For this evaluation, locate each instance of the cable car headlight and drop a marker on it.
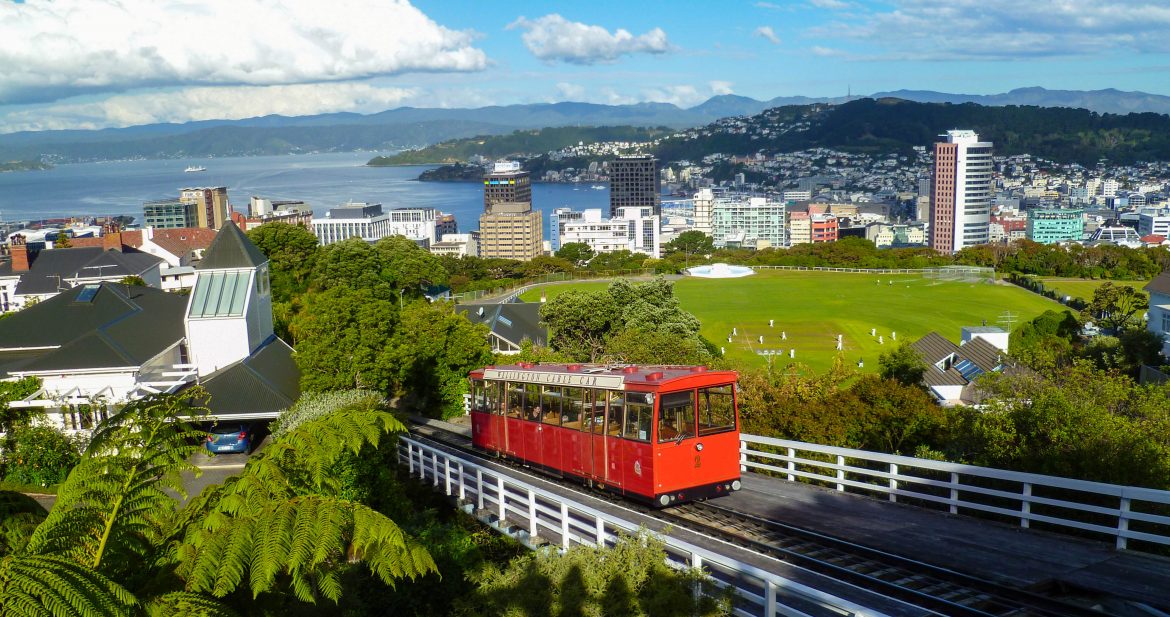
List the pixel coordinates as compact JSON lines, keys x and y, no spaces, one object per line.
{"x":699,"y":447}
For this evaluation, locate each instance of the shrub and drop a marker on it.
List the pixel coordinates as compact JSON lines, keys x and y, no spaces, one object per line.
{"x":40,"y":456}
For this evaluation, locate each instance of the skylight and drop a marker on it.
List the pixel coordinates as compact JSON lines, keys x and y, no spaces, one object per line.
{"x":220,"y":294}
{"x":87,"y":294}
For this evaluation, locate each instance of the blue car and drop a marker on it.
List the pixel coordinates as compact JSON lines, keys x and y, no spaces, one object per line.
{"x":229,"y":438}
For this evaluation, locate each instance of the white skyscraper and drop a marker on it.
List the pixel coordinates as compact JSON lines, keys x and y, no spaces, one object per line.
{"x":960,"y":196}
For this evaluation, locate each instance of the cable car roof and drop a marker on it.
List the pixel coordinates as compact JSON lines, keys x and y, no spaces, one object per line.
{"x":607,"y":376}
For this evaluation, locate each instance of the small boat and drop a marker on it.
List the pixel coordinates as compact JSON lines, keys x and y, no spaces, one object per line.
{"x":598,"y":187}
{"x":195,"y":168}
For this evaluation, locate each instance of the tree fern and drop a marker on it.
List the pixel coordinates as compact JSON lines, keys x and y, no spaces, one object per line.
{"x":116,"y":500}
{"x":38,"y":585}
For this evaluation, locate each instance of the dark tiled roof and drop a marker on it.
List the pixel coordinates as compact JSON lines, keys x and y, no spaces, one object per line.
{"x":120,"y":326}
{"x":265,"y":382}
{"x":231,"y":249}
{"x":512,"y":322}
{"x":933,"y":348}
{"x":1160,"y":284}
{"x":985,"y":355}
{"x":51,"y":267}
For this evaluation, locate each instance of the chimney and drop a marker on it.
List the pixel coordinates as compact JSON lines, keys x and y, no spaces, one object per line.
{"x":111,"y":237}
{"x":21,"y":260}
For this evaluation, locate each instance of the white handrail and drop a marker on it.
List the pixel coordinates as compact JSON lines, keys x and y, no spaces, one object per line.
{"x":1108,"y":509}
{"x":507,"y":503}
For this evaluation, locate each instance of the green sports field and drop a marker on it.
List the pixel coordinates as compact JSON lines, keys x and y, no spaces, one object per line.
{"x":1084,"y":288}
{"x":809,"y":310}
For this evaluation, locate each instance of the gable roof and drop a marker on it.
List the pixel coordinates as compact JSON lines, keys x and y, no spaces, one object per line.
{"x":131,"y":238}
{"x":231,"y":249}
{"x":267,"y":381}
{"x":1160,"y":284}
{"x":179,"y":241}
{"x":975,"y":357}
{"x":53,"y":266}
{"x":512,"y":322}
{"x":119,"y":326}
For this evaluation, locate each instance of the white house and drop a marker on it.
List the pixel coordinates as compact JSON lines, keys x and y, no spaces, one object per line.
{"x":101,"y":344}
{"x":1158,"y":320}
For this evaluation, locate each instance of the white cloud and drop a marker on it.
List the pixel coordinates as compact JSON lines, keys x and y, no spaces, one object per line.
{"x":206,"y":103}
{"x":818,"y":50}
{"x":720,"y":87}
{"x":829,"y":4}
{"x":553,"y":37}
{"x":1007,"y":29}
{"x":570,"y":92}
{"x":52,"y":50}
{"x":765,"y":32}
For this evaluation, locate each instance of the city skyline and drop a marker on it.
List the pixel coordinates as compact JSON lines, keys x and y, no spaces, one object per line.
{"x":101,"y":64}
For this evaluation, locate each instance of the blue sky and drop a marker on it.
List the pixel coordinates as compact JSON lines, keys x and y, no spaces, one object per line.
{"x":100,"y":63}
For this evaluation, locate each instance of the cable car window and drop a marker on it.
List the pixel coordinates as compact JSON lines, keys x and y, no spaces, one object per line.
{"x":478,"y":402}
{"x":492,"y":396}
{"x":676,"y":416}
{"x":716,"y":410}
{"x":532,"y":409}
{"x":593,"y":417}
{"x":639,"y":415}
{"x":614,"y":418}
{"x":572,"y":408}
{"x":515,"y":399}
{"x":550,"y":401}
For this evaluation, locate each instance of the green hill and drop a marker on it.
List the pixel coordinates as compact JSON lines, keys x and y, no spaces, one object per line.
{"x":527,"y":143}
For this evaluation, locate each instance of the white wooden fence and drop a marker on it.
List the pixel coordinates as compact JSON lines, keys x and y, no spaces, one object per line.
{"x":1123,"y":513}
{"x":527,"y":512}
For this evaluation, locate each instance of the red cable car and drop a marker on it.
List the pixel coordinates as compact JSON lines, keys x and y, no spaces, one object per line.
{"x":659,"y":434}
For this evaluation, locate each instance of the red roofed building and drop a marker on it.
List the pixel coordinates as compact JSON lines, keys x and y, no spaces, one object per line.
{"x":1154,"y":240}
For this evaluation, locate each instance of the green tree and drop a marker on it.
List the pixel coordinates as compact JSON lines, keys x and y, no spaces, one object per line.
{"x":62,"y":241}
{"x":133,"y":280}
{"x":902,"y":364}
{"x":38,"y":456}
{"x":292,"y":252}
{"x":690,"y":243}
{"x":13,"y":417}
{"x":343,"y":340}
{"x":1115,"y":306}
{"x":576,"y":252}
{"x":630,"y":578}
{"x":433,"y":349}
{"x":408,"y":267}
{"x":117,"y":542}
{"x":353,"y":264}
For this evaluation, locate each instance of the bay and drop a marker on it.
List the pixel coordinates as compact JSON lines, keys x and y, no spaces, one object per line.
{"x":322,"y":180}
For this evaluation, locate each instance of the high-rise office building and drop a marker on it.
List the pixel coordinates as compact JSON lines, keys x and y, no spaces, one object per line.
{"x":634,"y":182}
{"x":506,"y":183}
{"x":960,"y":192}
{"x":511,"y":231}
{"x":212,"y":209}
{"x":169,"y":214}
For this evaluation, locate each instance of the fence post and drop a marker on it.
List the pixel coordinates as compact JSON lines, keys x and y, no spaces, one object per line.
{"x":564,"y":525}
{"x":500,"y":496}
{"x":840,"y":472}
{"x":954,"y":492}
{"x":531,"y":514}
{"x":1123,"y":524}
{"x":742,"y":456}
{"x":478,"y":490}
{"x":769,"y":598}
{"x":462,"y":483}
{"x":791,"y":464}
{"x":1026,"y":506}
{"x":600,"y":532}
{"x":434,"y":467}
{"x":894,"y":482}
{"x":410,"y":456}
{"x":447,"y":476}
{"x":697,"y":563}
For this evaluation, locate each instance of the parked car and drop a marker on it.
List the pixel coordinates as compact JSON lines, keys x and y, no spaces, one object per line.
{"x":230,"y":437}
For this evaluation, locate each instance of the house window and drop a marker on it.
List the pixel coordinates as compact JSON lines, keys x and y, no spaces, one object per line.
{"x":1165,"y":322}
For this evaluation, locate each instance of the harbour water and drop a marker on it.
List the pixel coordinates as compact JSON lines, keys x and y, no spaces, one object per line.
{"x":322,"y":180}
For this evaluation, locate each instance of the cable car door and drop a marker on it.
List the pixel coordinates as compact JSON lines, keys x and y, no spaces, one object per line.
{"x":678,"y":457}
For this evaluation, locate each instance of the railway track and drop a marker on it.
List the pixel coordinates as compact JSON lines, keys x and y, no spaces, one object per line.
{"x":932,"y":588}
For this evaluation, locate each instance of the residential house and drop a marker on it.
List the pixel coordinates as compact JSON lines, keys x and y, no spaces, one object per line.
{"x":1158,"y":320}
{"x":951,"y":369}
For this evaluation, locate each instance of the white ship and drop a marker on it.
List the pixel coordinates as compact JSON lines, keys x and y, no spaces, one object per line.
{"x":195,"y":168}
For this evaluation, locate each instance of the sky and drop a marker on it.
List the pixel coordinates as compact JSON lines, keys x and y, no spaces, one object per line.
{"x":87,"y":64}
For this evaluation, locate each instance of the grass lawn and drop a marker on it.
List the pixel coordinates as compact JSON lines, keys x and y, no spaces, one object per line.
{"x":1084,"y":288}
{"x":811,"y":308}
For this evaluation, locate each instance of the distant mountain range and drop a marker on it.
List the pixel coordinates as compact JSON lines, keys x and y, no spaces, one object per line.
{"x":410,"y":127}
